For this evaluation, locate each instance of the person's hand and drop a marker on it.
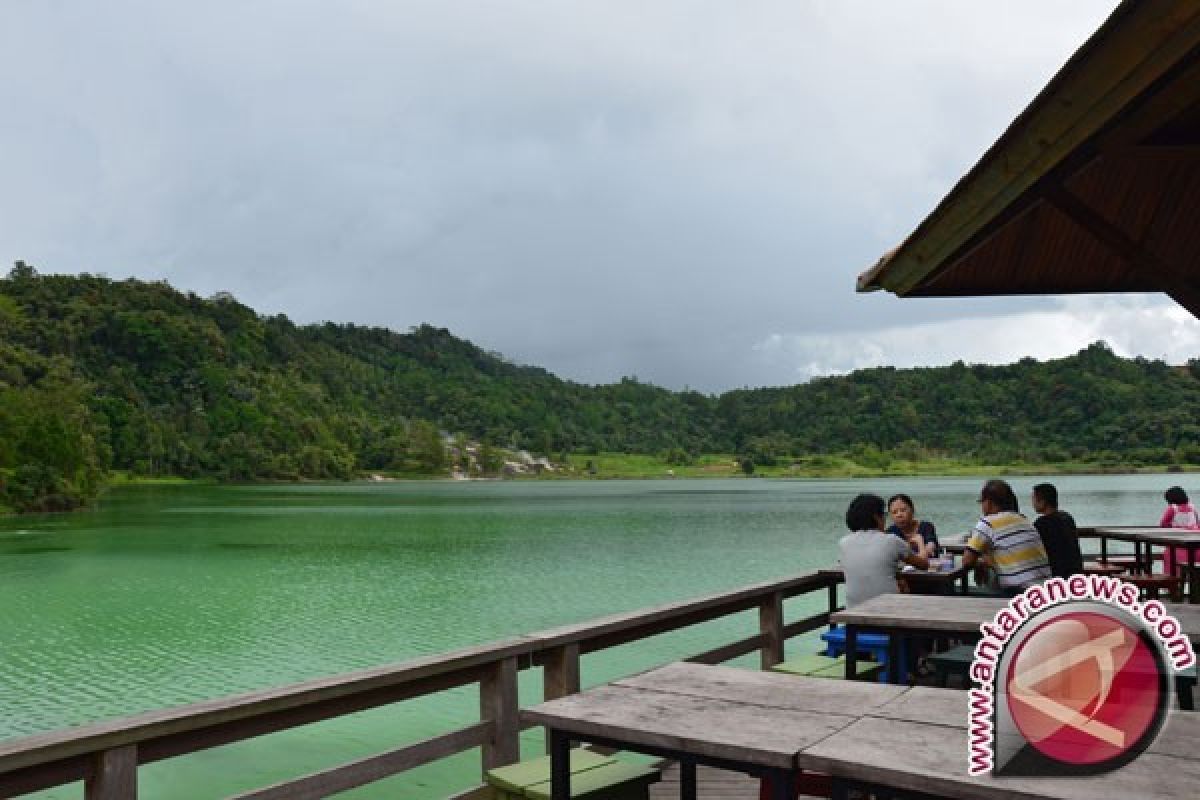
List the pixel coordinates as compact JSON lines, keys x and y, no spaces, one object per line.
{"x":916,"y":544}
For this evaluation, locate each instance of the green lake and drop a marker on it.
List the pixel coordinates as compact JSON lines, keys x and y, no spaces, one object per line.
{"x":162,"y":596}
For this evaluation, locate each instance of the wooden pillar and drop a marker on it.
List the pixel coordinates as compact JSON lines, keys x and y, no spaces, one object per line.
{"x":770,"y":625}
{"x":562,"y":672}
{"x":498,"y":705}
{"x":114,"y":775}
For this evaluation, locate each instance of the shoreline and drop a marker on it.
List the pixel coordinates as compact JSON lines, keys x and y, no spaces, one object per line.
{"x":650,"y":468}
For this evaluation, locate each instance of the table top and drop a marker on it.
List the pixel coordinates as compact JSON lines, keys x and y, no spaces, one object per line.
{"x":908,"y":738}
{"x":741,"y":716}
{"x":957,"y":614}
{"x":929,"y":757}
{"x":927,"y":612}
{"x":1151,"y":534}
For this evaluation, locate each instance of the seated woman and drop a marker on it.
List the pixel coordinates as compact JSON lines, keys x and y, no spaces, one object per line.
{"x":1180,"y":513}
{"x":920,"y":534}
{"x":869,"y":556}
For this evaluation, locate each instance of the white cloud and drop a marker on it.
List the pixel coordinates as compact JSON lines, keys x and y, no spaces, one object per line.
{"x":602,"y":187}
{"x":1131,"y":325}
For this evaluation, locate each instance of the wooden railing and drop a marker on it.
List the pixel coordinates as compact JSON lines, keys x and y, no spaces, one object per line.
{"x":106,"y":756}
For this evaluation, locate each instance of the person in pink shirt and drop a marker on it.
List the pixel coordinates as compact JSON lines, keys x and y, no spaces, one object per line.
{"x":1180,"y":513}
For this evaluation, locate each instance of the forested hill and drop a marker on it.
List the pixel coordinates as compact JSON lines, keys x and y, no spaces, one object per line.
{"x":99,"y":375}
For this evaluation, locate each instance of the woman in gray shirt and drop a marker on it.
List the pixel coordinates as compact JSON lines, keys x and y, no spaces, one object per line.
{"x":869,"y":556}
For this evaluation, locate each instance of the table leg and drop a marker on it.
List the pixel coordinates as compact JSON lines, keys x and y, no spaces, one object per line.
{"x":962,"y":583}
{"x":783,"y":784}
{"x":1138,"y":564}
{"x":851,"y":652}
{"x":1104,"y":548}
{"x":895,"y":669}
{"x":1193,"y":594}
{"x":560,"y":765}
{"x":1183,"y":692}
{"x":687,"y":780}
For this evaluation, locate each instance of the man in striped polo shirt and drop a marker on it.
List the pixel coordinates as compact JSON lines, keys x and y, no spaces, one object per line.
{"x":1011,"y":543}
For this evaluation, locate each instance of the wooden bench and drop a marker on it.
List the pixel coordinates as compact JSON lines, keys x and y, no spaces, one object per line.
{"x":1151,"y":585}
{"x":819,"y":666}
{"x":593,"y":776}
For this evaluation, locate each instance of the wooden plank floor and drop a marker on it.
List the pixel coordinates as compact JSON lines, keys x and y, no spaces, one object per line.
{"x":712,"y":784}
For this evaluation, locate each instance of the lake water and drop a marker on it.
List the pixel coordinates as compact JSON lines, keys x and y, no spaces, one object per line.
{"x":165,"y":596}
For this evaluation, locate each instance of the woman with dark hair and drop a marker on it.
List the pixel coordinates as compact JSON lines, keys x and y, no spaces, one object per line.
{"x":869,"y":556}
{"x":921,"y":535}
{"x":1180,"y":513}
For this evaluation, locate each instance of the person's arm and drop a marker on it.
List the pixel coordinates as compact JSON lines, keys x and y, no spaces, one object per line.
{"x":909,"y":557}
{"x":1167,"y":518}
{"x":978,"y":544}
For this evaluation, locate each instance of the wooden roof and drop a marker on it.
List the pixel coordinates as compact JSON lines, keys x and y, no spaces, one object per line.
{"x":1095,"y":187}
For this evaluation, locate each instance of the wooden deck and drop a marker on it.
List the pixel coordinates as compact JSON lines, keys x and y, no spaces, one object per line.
{"x":713,"y":784}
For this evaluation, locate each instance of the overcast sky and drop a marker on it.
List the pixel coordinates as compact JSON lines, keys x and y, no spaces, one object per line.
{"x":681,"y":191}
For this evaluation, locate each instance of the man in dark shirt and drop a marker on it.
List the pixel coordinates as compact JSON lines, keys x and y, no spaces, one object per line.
{"x":1057,"y":529}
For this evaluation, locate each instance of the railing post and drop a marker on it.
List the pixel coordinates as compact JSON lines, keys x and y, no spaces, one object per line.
{"x":833,"y":604}
{"x":498,"y":703}
{"x":114,"y":775}
{"x":770,"y":625}
{"x":561,"y":676}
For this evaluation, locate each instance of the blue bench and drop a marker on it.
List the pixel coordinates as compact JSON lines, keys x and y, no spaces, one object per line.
{"x":872,"y":644}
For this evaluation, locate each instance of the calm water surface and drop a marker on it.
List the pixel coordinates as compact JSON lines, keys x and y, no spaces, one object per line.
{"x":165,"y":596}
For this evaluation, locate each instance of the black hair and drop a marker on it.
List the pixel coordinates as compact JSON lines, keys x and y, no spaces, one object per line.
{"x":907,"y":501}
{"x":1047,"y":493}
{"x":1176,"y":496}
{"x":864,"y":512}
{"x":1001,"y":494}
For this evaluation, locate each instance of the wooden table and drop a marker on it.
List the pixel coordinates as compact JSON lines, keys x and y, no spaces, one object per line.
{"x":955,"y":547}
{"x":868,"y":736}
{"x":746,"y":721}
{"x":921,"y":581}
{"x":1144,"y":539}
{"x":918,"y":743}
{"x":906,"y":615}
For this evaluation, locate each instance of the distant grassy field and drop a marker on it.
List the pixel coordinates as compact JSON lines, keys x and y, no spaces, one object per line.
{"x":122,"y":478}
{"x":620,"y":465}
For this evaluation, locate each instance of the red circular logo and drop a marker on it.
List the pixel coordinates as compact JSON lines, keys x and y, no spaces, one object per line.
{"x":1085,"y":688}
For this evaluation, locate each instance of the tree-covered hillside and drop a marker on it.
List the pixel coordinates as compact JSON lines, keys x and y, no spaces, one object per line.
{"x":99,"y":375}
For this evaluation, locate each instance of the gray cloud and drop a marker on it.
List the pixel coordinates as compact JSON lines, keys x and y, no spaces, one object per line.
{"x":601,"y":188}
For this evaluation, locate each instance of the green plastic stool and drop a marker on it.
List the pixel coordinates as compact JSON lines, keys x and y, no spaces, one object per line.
{"x":819,"y":666}
{"x":955,"y":661}
{"x":618,"y":781}
{"x":593,"y":776}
